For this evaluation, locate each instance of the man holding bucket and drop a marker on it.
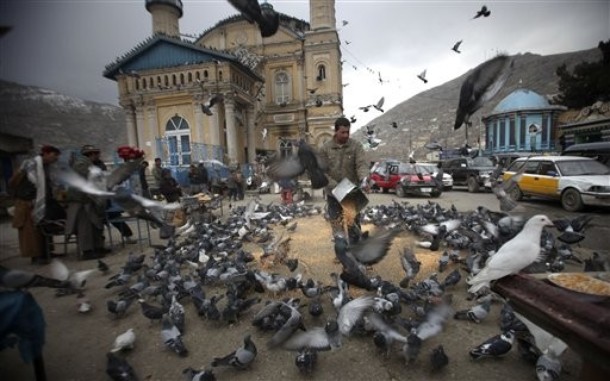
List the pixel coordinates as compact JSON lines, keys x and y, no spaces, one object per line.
{"x":345,"y":159}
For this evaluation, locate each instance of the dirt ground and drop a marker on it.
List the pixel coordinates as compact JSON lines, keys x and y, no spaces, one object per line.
{"x":76,"y":343}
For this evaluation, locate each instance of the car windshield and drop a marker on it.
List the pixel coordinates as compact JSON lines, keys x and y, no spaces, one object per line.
{"x":412,"y":169}
{"x":480,"y":162}
{"x":582,"y":167}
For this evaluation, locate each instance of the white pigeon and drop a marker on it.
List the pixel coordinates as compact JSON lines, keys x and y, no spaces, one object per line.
{"x":514,"y":255}
{"x":125,"y":340}
{"x":61,"y":272}
{"x":264,"y":133}
{"x":72,"y":179}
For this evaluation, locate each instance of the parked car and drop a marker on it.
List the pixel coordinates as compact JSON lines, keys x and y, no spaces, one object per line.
{"x":574,"y":181}
{"x":384,"y":175}
{"x":599,"y":151}
{"x":472,"y":172}
{"x":416,"y":180}
{"x":447,"y":178}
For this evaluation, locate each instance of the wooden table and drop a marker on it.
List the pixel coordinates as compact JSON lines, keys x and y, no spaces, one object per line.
{"x":582,"y":324}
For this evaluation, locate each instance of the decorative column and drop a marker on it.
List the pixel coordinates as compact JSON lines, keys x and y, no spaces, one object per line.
{"x":131,"y":125}
{"x":153,"y":126}
{"x":231,"y":130}
{"x":251,"y":135}
{"x":214,"y":126}
{"x":140,"y":125}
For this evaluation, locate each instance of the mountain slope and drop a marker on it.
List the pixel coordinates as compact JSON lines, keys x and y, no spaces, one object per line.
{"x":53,"y":118}
{"x":430,"y":115}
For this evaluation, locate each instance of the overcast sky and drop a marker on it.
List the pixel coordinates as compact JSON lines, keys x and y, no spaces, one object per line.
{"x":64,"y":45}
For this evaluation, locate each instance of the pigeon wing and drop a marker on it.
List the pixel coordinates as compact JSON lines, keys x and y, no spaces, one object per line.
{"x":122,"y":172}
{"x":373,"y":249}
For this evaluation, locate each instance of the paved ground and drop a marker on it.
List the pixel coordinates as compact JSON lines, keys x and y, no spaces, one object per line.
{"x":76,"y":343}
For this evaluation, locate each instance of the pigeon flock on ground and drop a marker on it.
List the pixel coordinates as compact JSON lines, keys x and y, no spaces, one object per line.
{"x":205,"y":265}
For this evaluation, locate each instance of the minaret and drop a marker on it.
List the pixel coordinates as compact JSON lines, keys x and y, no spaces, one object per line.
{"x":322,"y":67}
{"x":322,"y":14}
{"x":165,"y":15}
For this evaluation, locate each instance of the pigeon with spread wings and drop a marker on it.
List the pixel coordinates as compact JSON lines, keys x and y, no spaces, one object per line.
{"x":306,"y":160}
{"x":482,"y":84}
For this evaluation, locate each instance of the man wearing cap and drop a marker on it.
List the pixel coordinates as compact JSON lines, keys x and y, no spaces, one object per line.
{"x":85,"y":213}
{"x":34,"y":202}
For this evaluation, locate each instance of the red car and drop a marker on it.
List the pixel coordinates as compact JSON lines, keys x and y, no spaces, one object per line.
{"x":404,"y":178}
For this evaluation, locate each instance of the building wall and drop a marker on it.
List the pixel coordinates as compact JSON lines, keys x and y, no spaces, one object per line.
{"x":512,"y":131}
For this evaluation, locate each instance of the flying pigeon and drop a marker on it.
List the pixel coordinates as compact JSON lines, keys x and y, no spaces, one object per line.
{"x":306,"y":160}
{"x":514,"y":255}
{"x":207,"y":107}
{"x":456,"y":47}
{"x":422,"y":76}
{"x":378,"y":106}
{"x":480,"y":86}
{"x":13,"y":278}
{"x":267,"y":19}
{"x":483,"y":12}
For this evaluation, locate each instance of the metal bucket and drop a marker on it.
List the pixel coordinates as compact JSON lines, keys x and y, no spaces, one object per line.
{"x":347,"y":191}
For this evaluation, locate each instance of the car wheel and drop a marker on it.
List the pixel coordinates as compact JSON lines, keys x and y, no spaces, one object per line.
{"x":473,"y":185}
{"x":435,"y":193}
{"x":385,"y":190}
{"x":516,"y":194}
{"x":571,"y":200}
{"x":447,"y":189}
{"x":400,"y":192}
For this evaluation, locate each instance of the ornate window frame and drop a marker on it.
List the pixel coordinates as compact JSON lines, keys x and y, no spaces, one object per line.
{"x":283,"y":87}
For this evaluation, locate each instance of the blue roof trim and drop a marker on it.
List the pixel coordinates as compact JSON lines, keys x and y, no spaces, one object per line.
{"x":161,"y":51}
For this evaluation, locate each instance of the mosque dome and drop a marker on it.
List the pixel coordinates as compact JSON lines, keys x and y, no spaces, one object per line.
{"x":521,"y":99}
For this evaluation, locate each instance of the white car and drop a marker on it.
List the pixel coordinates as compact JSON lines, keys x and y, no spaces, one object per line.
{"x":574,"y":181}
{"x":447,"y":178}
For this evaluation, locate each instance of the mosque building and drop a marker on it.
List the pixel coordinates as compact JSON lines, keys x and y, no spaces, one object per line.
{"x":230,"y":94}
{"x":523,"y":121}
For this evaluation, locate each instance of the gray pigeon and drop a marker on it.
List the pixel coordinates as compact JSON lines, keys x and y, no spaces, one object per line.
{"x":480,"y":86}
{"x":241,"y":358}
{"x":265,"y":17}
{"x":13,"y":278}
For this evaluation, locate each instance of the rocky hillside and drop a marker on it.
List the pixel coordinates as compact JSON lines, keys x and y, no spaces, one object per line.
{"x":430,"y":115}
{"x":49,"y":117}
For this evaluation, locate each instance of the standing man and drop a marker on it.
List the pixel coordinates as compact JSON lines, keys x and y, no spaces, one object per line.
{"x":34,"y":202}
{"x":85,"y":213}
{"x":345,"y":158}
{"x":156,"y":172}
{"x":143,"y":181}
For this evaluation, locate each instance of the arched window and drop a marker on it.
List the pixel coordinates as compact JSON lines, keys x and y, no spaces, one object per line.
{"x":144,"y":83}
{"x":174,"y":83}
{"x":159,"y":80}
{"x":321,"y":73}
{"x":166,"y":81}
{"x":205,"y":74}
{"x":220,"y":76}
{"x":181,"y":78}
{"x":190,"y":77}
{"x":285,"y":147}
{"x":137,"y":84}
{"x":282,"y":88}
{"x":178,"y":135}
{"x":151,"y":82}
